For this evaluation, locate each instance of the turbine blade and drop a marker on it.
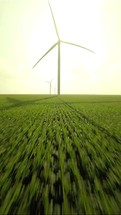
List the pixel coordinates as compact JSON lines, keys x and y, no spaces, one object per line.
{"x":45,"y":54}
{"x":56,"y":29}
{"x":73,"y":44}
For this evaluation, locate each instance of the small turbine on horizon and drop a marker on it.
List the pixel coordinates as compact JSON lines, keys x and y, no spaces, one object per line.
{"x":50,"y":85}
{"x":58,"y":43}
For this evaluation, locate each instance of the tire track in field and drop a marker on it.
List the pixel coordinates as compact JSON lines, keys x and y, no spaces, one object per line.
{"x":83,"y":117}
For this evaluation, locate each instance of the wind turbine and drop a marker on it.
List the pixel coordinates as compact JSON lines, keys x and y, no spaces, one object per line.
{"x":49,"y":82}
{"x":58,"y":43}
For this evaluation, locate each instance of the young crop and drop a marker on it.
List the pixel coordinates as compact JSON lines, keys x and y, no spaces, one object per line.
{"x":58,"y":156}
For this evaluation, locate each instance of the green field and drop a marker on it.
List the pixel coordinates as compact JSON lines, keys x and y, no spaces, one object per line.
{"x":60,"y":154}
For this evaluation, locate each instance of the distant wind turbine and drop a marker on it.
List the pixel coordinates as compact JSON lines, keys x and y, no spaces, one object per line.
{"x":50,"y":85}
{"x":58,"y":43}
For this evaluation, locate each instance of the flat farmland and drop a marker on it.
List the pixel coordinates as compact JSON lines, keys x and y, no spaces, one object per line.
{"x":60,"y":154}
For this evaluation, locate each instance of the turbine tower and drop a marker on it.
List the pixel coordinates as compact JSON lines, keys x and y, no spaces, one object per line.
{"x":58,"y":43}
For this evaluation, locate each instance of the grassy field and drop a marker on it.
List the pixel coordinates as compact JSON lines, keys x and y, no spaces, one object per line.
{"x":60,"y":154}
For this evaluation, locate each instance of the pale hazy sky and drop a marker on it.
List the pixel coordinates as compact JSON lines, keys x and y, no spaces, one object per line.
{"x":27,"y":32}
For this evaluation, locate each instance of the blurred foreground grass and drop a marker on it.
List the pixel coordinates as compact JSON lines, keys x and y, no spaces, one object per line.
{"x":60,"y":154}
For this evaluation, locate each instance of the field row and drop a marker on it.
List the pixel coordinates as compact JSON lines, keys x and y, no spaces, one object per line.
{"x":56,"y":161}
